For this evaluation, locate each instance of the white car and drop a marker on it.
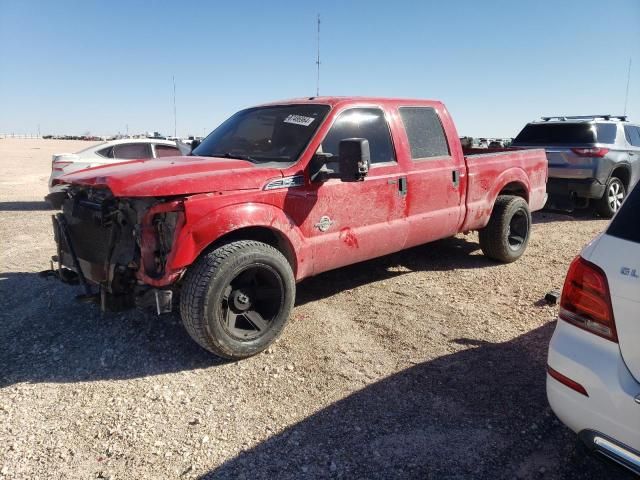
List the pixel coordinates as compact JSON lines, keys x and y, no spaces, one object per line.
{"x":593,"y":381}
{"x":108,"y":153}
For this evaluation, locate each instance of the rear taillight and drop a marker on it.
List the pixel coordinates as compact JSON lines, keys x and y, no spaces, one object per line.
{"x":586,"y":302}
{"x":590,"y":152}
{"x":59,"y":166}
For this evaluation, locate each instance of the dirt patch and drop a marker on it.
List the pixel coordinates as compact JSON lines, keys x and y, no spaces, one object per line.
{"x":424,"y":364}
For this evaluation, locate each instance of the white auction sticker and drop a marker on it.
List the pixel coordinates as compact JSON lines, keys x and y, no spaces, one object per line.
{"x":299,"y":120}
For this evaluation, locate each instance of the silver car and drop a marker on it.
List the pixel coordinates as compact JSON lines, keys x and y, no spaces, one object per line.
{"x":593,"y":160}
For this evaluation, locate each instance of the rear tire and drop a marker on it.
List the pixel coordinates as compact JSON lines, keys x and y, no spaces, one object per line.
{"x":237,"y":299}
{"x":506,"y":236}
{"x":614,"y":195}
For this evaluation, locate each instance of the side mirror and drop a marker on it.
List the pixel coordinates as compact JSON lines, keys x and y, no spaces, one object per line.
{"x":323,"y":166}
{"x":354,"y":159}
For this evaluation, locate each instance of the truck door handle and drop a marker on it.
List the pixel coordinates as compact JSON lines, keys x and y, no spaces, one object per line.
{"x":455,"y":178}
{"x":402,"y":185}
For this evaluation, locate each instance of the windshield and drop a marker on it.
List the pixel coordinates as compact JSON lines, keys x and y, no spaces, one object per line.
{"x":556,"y":134}
{"x":265,"y":134}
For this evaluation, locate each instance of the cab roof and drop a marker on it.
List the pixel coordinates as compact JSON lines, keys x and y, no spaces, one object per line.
{"x":334,"y":101}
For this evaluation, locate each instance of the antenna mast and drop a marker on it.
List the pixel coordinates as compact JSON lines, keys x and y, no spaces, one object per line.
{"x":174,"y":108}
{"x":318,"y":61}
{"x":626,"y":95}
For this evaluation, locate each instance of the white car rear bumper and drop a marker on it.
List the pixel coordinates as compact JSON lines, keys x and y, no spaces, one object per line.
{"x":609,"y":417}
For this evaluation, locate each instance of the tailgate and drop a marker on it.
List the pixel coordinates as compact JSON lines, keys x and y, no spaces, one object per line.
{"x":564,"y":163}
{"x":618,"y":254}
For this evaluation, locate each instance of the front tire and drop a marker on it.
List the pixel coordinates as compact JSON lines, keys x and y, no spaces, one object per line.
{"x":237,"y":298}
{"x":506,"y":236}
{"x":612,"y":199}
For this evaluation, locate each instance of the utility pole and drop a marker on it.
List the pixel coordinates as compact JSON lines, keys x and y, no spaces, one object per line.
{"x":318,"y":61}
{"x":175,"y":129}
{"x":626,"y":95}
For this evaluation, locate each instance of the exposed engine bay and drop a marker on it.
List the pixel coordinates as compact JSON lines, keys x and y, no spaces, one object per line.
{"x":113,"y":246}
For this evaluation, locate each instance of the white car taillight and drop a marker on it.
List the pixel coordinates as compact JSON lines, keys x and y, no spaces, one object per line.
{"x":58,"y":166}
{"x":586,"y":302}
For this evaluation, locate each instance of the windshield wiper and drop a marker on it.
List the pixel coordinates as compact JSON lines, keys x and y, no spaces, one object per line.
{"x":237,"y":156}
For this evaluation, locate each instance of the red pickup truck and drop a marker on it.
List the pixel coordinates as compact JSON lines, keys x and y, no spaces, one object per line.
{"x":280,"y":192}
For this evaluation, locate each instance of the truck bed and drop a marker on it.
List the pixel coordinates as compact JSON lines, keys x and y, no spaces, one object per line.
{"x":486,"y":171}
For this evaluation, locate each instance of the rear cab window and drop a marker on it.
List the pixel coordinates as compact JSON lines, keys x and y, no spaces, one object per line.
{"x":626,"y":224}
{"x":425,"y":133}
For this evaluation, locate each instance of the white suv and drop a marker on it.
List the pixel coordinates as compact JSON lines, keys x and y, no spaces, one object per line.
{"x":593,"y":381}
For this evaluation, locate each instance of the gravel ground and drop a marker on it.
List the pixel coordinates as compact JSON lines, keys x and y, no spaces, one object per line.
{"x":424,"y":364}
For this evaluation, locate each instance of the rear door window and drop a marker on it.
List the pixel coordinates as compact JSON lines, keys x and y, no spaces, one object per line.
{"x":626,"y":224}
{"x":633,"y":135}
{"x":425,"y":132}
{"x":166,"y":151}
{"x":606,"y":132}
{"x":130,"y":151}
{"x":556,"y":134}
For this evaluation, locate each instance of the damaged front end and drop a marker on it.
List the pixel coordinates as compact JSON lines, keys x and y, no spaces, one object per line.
{"x":118,"y":249}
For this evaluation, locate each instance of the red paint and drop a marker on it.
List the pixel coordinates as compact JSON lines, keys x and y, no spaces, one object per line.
{"x":368,"y":218}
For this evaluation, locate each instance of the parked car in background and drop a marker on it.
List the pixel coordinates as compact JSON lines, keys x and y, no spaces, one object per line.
{"x":593,"y":381}
{"x":281,"y":192}
{"x":111,"y":152}
{"x":592,"y":158}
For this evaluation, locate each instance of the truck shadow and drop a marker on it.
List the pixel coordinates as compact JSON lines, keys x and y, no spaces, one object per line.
{"x":46,"y":336}
{"x":448,"y":254}
{"x":478,"y":413}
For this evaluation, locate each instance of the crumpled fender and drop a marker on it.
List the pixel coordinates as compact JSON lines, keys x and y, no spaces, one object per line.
{"x":204,"y":226}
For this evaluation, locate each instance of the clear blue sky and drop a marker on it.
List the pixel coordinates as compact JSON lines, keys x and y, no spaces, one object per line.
{"x":96,"y":66}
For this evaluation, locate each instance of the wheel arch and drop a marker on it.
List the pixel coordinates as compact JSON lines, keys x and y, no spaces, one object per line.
{"x":481,"y":202}
{"x":516,"y":188}
{"x":251,"y":221}
{"x":259,"y":233}
{"x":623,"y":172}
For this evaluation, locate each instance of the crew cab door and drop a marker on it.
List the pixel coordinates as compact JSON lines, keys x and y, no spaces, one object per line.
{"x":436,"y":177}
{"x":353,"y":221}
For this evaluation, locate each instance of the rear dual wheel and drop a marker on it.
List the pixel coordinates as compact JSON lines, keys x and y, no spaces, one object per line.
{"x":238,"y":298}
